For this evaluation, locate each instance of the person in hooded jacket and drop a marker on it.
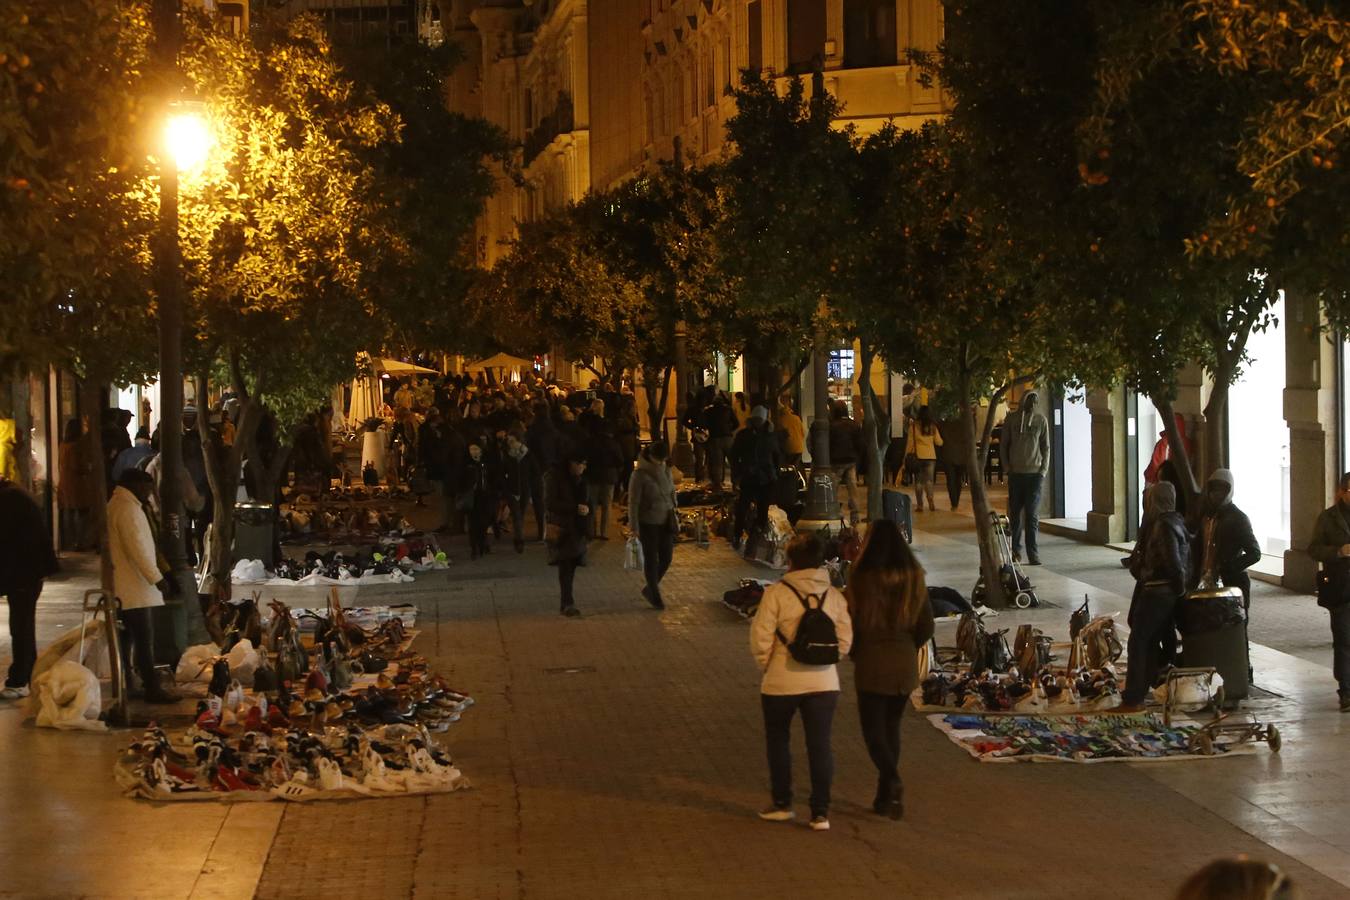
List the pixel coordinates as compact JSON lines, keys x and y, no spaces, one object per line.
{"x":1160,"y":566}
{"x":1025,"y":453}
{"x":651,"y":513}
{"x":1330,"y":545}
{"x":1226,"y":546}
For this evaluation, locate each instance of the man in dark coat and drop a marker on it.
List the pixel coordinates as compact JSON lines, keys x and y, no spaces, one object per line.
{"x":755,"y":459}
{"x":26,"y":558}
{"x":568,"y":512}
{"x":1330,"y":545}
{"x":1160,"y":565}
{"x":1225,"y":545}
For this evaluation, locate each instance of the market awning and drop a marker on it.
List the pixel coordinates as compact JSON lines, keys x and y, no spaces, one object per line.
{"x":501,"y":361}
{"x":397,"y":367}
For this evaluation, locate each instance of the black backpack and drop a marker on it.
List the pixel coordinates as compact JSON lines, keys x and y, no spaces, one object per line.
{"x":816,"y":643}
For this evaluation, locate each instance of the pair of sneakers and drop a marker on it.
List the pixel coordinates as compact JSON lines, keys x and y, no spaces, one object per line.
{"x":785,"y":814}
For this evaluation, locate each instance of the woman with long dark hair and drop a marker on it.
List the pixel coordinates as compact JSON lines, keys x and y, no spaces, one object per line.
{"x":888,"y":601}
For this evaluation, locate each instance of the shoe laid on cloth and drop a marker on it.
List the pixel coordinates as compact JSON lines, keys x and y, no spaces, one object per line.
{"x":18,"y":693}
{"x":571,"y":612}
{"x":777,"y":814}
{"x":820,"y":823}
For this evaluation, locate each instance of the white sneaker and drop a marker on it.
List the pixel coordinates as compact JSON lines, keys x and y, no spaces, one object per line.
{"x":14,"y":693}
{"x":777,"y":814}
{"x":820,"y":823}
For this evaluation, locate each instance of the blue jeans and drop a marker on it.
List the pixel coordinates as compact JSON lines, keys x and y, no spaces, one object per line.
{"x":1024,"y":502}
{"x":1340,"y":647}
{"x":817,"y":718}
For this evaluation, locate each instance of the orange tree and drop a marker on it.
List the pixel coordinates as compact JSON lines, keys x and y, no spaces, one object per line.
{"x":941,"y":287}
{"x":1115,"y":145}
{"x":77,"y":212}
{"x":1292,"y":149}
{"x":283,"y":232}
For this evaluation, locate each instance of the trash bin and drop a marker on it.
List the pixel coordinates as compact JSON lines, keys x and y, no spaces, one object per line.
{"x":253,"y":532}
{"x":1213,"y":630}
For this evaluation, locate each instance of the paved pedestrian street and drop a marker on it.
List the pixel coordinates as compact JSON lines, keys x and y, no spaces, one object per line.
{"x":621,"y":755}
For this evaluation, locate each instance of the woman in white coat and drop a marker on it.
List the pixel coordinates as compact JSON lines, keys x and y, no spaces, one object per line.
{"x":137,"y":580}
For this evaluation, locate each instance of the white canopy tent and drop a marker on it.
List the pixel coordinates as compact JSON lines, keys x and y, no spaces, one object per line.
{"x":367,"y":394}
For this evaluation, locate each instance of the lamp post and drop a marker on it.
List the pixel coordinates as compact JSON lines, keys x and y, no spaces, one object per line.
{"x":183,"y":144}
{"x":682,"y":455}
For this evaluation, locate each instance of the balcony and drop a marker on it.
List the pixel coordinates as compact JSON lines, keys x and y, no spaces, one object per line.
{"x":559,"y":121}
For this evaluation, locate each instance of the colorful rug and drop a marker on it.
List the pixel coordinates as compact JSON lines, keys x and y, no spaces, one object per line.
{"x":1081,"y":739}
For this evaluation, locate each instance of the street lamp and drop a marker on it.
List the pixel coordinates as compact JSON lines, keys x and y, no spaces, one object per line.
{"x":184,"y":143}
{"x":186,"y":138}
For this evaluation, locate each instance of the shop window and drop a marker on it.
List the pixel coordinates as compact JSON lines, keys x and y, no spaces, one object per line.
{"x":806,"y":35}
{"x":869,"y":33}
{"x":754,"y":34}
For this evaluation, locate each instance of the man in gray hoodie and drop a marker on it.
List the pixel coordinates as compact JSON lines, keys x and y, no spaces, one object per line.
{"x":1025,"y":450}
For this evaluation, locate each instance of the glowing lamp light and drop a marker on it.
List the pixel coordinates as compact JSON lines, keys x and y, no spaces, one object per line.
{"x":187,"y":139}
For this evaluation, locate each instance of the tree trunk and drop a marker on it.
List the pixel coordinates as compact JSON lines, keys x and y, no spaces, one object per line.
{"x":792,"y":379}
{"x":91,"y":402}
{"x":990,"y":556}
{"x":222,"y":474}
{"x":1177,"y":452}
{"x":665,"y":399}
{"x":876,"y":439}
{"x":979,"y":497}
{"x":1216,"y":434}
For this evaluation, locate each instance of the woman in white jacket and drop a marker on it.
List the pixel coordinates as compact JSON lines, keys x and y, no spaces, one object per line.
{"x":789,"y":685}
{"x":137,"y":580}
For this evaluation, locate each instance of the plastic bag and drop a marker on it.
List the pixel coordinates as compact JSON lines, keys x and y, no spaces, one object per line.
{"x":1194,"y":692}
{"x":244,"y":661}
{"x":632,"y":555}
{"x":195,"y":664}
{"x":248,"y":571}
{"x":69,"y":698}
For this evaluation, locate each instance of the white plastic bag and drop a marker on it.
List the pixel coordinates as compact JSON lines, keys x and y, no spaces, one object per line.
{"x":1194,"y":692}
{"x":248,"y":571}
{"x":69,"y":698}
{"x":244,"y":661}
{"x":632,"y":555}
{"x":195,"y":664}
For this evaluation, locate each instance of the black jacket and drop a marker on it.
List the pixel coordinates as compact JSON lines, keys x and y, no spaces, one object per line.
{"x":1236,"y":547}
{"x":567,"y":527}
{"x":1164,"y":553}
{"x":26,"y":555}
{"x":755,"y":456}
{"x":846,"y":444}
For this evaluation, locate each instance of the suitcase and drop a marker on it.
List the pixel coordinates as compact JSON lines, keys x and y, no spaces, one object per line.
{"x":897,"y":507}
